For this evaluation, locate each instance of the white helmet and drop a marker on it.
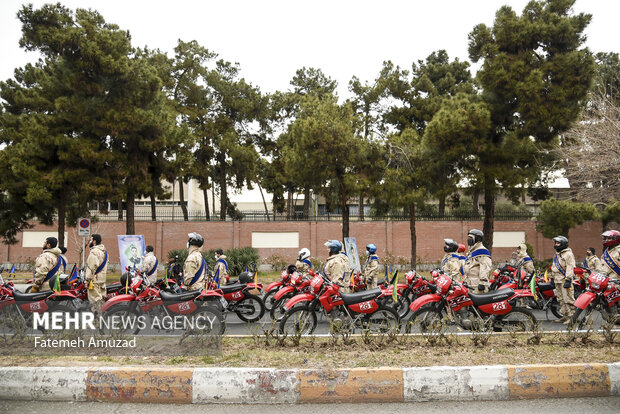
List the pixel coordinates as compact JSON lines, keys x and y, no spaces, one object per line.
{"x":303,"y":254}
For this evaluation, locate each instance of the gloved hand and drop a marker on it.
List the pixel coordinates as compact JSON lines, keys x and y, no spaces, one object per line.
{"x":567,"y":284}
{"x":34,"y":289}
{"x":481,"y":288}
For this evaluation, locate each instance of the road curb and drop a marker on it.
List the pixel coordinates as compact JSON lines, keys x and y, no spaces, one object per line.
{"x":295,"y":386}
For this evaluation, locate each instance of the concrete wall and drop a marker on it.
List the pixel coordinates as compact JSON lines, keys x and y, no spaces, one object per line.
{"x":390,"y":236}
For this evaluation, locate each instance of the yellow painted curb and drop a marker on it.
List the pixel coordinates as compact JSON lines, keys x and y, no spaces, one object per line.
{"x":553,"y":381}
{"x":140,"y":385}
{"x":351,"y":385}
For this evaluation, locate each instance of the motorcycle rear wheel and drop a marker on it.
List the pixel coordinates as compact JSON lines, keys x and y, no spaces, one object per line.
{"x":517,"y":320}
{"x":250,"y":309}
{"x":300,"y":320}
{"x":611,"y":314}
{"x":214,"y":317}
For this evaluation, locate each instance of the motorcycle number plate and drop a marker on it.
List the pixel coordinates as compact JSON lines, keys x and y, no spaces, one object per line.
{"x":35,"y":306}
{"x":499,"y":306}
{"x":223,"y":302}
{"x":237,"y":295}
{"x":184,"y":306}
{"x":365,"y":305}
{"x":554,"y":292}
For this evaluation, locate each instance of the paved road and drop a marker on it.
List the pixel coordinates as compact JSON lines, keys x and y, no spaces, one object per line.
{"x":565,"y":406}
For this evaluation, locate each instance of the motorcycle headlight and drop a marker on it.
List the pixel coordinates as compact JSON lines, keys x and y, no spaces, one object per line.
{"x":595,"y":286}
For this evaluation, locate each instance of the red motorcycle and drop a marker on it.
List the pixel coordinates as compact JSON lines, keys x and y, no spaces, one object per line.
{"x":344,"y":311}
{"x":18,"y":307}
{"x":414,"y":287}
{"x":296,"y":284}
{"x":470,"y":311}
{"x":145,"y":298}
{"x":600,"y":295}
{"x":274,"y":287}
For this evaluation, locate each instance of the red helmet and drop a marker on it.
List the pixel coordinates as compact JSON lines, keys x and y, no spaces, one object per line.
{"x":611,"y":238}
{"x":461,"y":248}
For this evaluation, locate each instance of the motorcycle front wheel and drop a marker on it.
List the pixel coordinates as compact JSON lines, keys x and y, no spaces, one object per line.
{"x":268,"y":299}
{"x":382,"y":321}
{"x":278,"y":311}
{"x":300,"y":320}
{"x":427,"y":319}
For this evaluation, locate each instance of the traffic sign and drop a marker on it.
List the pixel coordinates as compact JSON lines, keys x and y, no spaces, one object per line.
{"x":84,"y":227}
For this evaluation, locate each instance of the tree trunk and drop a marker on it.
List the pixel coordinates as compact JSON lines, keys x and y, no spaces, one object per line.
{"x":489,"y":212}
{"x":153,"y":207}
{"x":205,"y":195}
{"x":413,"y":235}
{"x":306,"y":203}
{"x":476,"y":197}
{"x":223,"y":188}
{"x":345,"y":209}
{"x":182,"y":200}
{"x":130,"y":224}
{"x":442,"y":206}
{"x":264,"y":202}
{"x":289,"y":205}
{"x":361,"y":208}
{"x":119,"y":206}
{"x":62,"y":217}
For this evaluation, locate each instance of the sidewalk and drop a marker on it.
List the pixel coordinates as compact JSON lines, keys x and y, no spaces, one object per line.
{"x":294,"y":386}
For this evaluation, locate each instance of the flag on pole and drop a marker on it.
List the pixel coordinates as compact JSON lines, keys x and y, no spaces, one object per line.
{"x":533,"y":287}
{"x":255,"y":277}
{"x":386,"y":275}
{"x":12,"y":272}
{"x":73,"y":276}
{"x":546,"y":277}
{"x":394,"y":290}
{"x":57,"y":284}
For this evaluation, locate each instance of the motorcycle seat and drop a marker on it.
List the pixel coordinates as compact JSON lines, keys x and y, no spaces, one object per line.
{"x":31,"y":297}
{"x":491,"y":297}
{"x":179,"y":297}
{"x":233,"y":288}
{"x":114,"y":287}
{"x":546,"y":286}
{"x":363,"y":296}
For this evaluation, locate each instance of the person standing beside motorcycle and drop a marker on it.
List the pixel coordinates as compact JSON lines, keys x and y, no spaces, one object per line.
{"x":592,"y":262}
{"x":610,"y":258}
{"x":336,"y":264}
{"x":303,"y":262}
{"x":478,"y":263}
{"x":371,"y":268}
{"x":46,"y":265}
{"x":563,"y":274}
{"x":524,"y":261}
{"x":149,"y":264}
{"x":221,"y":266}
{"x":195,"y":267}
{"x":96,"y":270}
{"x":451,"y":262}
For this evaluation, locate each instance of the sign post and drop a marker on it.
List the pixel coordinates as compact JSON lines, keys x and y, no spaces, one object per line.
{"x":84,"y":232}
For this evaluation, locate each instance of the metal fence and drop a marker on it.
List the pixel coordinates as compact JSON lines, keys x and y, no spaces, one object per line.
{"x":261,"y":216}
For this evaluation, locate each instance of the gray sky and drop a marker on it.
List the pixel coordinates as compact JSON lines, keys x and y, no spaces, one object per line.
{"x":272,"y":39}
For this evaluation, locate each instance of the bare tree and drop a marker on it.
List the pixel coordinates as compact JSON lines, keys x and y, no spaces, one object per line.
{"x":591,"y":152}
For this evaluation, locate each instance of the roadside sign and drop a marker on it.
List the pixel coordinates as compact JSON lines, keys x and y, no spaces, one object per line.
{"x":84,"y":227}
